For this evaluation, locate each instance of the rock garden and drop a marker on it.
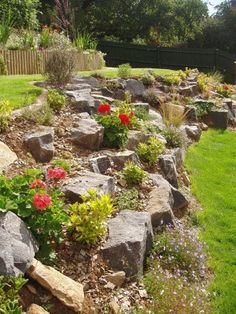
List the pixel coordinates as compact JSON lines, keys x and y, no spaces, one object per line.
{"x":96,"y":211}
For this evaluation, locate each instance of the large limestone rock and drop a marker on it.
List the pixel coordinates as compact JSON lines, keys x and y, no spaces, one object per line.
{"x":17,"y":245}
{"x":193,"y":132}
{"x":68,"y":291}
{"x":120,"y":158}
{"x":100,"y":164}
{"x":88,"y":134}
{"x":40,"y":144}
{"x":7,"y":157}
{"x":91,"y":81}
{"x":75,"y":187}
{"x":134,"y":87}
{"x":130,"y":239}
{"x":36,"y":309}
{"x":83,"y":102}
{"x":168,"y":169}
{"x":134,"y":138}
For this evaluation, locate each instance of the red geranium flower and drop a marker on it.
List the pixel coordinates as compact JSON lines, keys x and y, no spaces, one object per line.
{"x":104,"y":108}
{"x":41,"y":201}
{"x":38,"y":184}
{"x":226,"y":87}
{"x":56,"y":173}
{"x":124,"y":118}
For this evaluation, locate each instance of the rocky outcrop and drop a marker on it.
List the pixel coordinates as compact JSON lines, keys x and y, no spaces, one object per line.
{"x":75,"y":187}
{"x":17,"y":245}
{"x":68,"y":291}
{"x":134,"y":138}
{"x":168,"y":169}
{"x":100,"y":164}
{"x":40,"y":144}
{"x":129,"y":240}
{"x":119,"y":159}
{"x":193,"y":132}
{"x":36,"y":309}
{"x":7,"y":157}
{"x":134,"y":87}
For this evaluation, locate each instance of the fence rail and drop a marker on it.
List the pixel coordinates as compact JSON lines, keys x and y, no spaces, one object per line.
{"x":32,"y":62}
{"x":174,"y":58}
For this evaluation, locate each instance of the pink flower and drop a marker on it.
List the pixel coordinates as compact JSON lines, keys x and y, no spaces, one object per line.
{"x":56,"y":173}
{"x":38,"y":184}
{"x":41,"y":201}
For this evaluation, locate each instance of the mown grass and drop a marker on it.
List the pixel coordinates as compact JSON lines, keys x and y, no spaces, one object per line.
{"x":212,"y":165}
{"x":19,"y":90}
{"x":135,"y":72}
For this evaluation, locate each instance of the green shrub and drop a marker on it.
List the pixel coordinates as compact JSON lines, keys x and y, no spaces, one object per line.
{"x":149,"y":152}
{"x":174,"y":137}
{"x":85,"y":41}
{"x":124,"y":71}
{"x":5,"y":113}
{"x":62,"y":163}
{"x":141,"y":113}
{"x":9,"y":294}
{"x":115,"y":133}
{"x":148,"y":78}
{"x":44,"y":115}
{"x":203,"y":107}
{"x":87,"y":222}
{"x":3,"y":68}
{"x":45,"y":38}
{"x":132,"y":173}
{"x":152,"y":98}
{"x":173,"y":79}
{"x":56,"y":100}
{"x":60,"y":67}
{"x":127,"y":199}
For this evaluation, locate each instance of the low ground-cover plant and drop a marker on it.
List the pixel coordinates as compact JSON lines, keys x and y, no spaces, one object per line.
{"x":9,"y":294}
{"x":149,"y":152}
{"x":174,"y":137}
{"x":203,"y":107}
{"x":87,"y":221}
{"x":132,"y":173}
{"x":124,"y":70}
{"x":61,"y":163}
{"x":5,"y":113}
{"x":224,"y":90}
{"x":152,"y":98}
{"x":148,"y":79}
{"x":127,"y":199}
{"x":55,"y":99}
{"x":43,"y":115}
{"x":142,"y":114}
{"x":37,"y":202}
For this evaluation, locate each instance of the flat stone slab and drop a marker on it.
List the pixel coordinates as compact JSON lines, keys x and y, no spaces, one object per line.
{"x":75,"y":187}
{"x":120,"y":158}
{"x":130,"y":239}
{"x":68,"y":291}
{"x":7,"y":157}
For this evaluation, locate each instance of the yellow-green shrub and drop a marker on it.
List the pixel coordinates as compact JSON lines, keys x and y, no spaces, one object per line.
{"x":5,"y":113}
{"x":132,"y":173}
{"x":149,"y":152}
{"x":56,"y":100}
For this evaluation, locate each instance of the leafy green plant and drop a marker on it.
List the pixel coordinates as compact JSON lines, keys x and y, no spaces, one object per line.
{"x":115,"y":133}
{"x":14,"y":42}
{"x":9,"y":294}
{"x":224,"y":90}
{"x":6,"y":26}
{"x":5,"y":113}
{"x":149,"y":152}
{"x":173,"y":79}
{"x":174,"y":137}
{"x":203,"y":107}
{"x":44,"y":115}
{"x":124,"y":70}
{"x":3,"y":68}
{"x":147,"y":78}
{"x":18,"y":195}
{"x":85,"y":41}
{"x":56,"y":100}
{"x":45,"y":38}
{"x":127,"y":199}
{"x":87,"y":221}
{"x":132,"y":173}
{"x":142,"y":114}
{"x":152,"y":98}
{"x":62,"y":163}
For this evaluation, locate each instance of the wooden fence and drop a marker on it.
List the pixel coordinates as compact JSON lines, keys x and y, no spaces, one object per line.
{"x":170,"y":58}
{"x":32,"y":62}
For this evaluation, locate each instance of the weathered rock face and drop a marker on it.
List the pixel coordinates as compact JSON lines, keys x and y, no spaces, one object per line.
{"x":168,"y":169}
{"x":91,"y":81}
{"x":100,"y":164}
{"x":157,"y":119}
{"x":7,"y":157}
{"x":119,"y":159}
{"x":64,"y":288}
{"x":17,"y":245}
{"x":160,"y":202}
{"x":190,"y":90}
{"x":40,"y":144}
{"x":134,"y":87}
{"x":89,"y":134}
{"x":193,"y":132}
{"x":36,"y":309}
{"x":178,"y":156}
{"x":83,"y":102}
{"x":228,"y":105}
{"x":75,"y":187}
{"x":219,"y":119}
{"x":116,"y":279}
{"x":130,"y":239}
{"x":134,"y":138}
{"x":180,"y":201}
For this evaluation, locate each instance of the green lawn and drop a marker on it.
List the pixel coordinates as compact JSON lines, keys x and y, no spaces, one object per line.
{"x":136,"y":72}
{"x":212,"y":164}
{"x":19,"y":90}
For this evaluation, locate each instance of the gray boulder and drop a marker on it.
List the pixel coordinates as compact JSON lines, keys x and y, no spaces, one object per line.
{"x":129,"y":240}
{"x":75,"y":187}
{"x":7,"y":157}
{"x":134,"y":138}
{"x":178,"y":155}
{"x":100,"y":164}
{"x":88,"y":134}
{"x":91,"y":81}
{"x":180,"y":201}
{"x":168,"y":168}
{"x":120,"y":158}
{"x":40,"y":144}
{"x":17,"y":245}
{"x":82,"y":101}
{"x":134,"y":87}
{"x":219,"y":119}
{"x":193,"y":132}
{"x":189,"y":91}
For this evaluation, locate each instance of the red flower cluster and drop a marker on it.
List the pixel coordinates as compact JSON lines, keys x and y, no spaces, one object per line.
{"x":132,"y":114}
{"x":104,"y":108}
{"x":38,"y":184}
{"x":56,"y":173}
{"x":226,"y":87}
{"x":41,"y":201}
{"x":124,"y":118}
